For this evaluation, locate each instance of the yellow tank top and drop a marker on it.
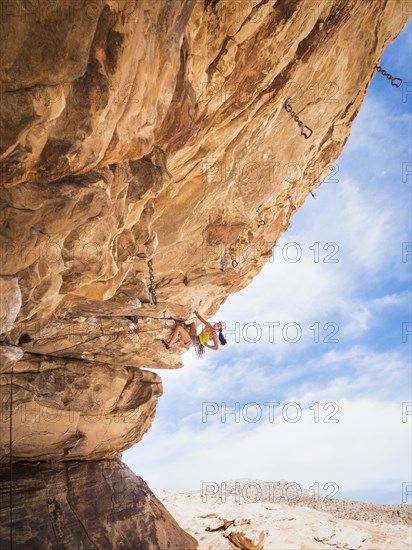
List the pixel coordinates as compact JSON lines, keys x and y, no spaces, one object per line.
{"x":203,"y":337}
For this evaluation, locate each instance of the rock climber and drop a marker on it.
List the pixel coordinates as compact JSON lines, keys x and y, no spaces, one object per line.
{"x":190,"y":338}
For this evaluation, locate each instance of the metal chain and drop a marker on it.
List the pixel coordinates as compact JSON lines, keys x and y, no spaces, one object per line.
{"x":152,"y":282}
{"x":305,"y":131}
{"x":261,"y":221}
{"x":395,"y":81}
{"x":234,"y":262}
{"x":223,"y":263}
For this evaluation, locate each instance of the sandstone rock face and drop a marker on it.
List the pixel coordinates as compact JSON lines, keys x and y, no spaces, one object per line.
{"x":68,"y":108}
{"x":65,"y":409}
{"x":151,"y":130}
{"x":88,"y":505}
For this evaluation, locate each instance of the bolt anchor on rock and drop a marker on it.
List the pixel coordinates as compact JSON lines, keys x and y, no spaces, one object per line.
{"x":395,"y":81}
{"x":234,"y":262}
{"x":305,"y":131}
{"x":261,"y":221}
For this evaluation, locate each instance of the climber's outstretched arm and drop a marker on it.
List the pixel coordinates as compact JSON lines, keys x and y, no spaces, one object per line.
{"x":201,"y":318}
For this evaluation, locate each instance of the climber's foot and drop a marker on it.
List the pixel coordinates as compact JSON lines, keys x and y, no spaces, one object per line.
{"x":166,"y":345}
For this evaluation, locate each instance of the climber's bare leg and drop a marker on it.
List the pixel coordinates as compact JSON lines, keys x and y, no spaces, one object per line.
{"x":192,"y":330}
{"x":181,"y":332}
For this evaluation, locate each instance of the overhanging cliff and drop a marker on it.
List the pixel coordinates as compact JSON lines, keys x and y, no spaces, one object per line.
{"x":146,"y":130}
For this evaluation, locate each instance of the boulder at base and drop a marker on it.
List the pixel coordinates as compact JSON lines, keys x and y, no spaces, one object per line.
{"x":87,"y":505}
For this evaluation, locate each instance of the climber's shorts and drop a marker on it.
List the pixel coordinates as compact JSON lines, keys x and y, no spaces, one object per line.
{"x":193,"y":342}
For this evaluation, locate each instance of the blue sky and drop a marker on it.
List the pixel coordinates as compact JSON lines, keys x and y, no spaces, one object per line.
{"x":346,"y":317}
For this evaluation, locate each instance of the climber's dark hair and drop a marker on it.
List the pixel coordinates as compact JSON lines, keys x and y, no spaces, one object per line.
{"x":222,"y":339}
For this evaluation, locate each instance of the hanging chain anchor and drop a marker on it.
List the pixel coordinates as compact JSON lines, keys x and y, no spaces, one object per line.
{"x":305,"y":131}
{"x":395,"y":81}
{"x":261,"y":221}
{"x":234,"y":262}
{"x":223,"y":263}
{"x":152,"y":282}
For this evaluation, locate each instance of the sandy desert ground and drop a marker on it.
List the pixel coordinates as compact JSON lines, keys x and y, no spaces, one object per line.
{"x":240,"y":515}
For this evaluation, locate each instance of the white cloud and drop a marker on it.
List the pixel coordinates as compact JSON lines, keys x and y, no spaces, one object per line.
{"x":367,"y":449}
{"x":351,"y":452}
{"x":394,"y":300}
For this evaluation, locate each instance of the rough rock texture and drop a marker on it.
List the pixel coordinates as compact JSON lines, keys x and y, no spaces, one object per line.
{"x":247,"y":538}
{"x":272,"y":524}
{"x":151,"y":129}
{"x":87,"y":505}
{"x":65,"y":409}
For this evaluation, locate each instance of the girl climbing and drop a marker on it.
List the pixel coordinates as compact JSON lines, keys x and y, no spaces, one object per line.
{"x":198,"y":340}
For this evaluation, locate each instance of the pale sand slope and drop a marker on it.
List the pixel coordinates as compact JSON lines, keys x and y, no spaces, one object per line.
{"x":227,"y":521}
